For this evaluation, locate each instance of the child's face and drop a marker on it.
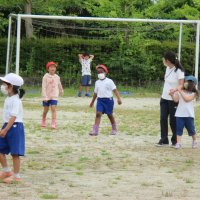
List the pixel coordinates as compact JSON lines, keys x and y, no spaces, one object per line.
{"x":52,"y":69}
{"x":86,"y":57}
{"x":100,"y":70}
{"x":6,"y":89}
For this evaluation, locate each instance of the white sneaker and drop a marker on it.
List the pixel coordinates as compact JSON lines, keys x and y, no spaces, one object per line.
{"x":194,"y":144}
{"x":178,"y":146}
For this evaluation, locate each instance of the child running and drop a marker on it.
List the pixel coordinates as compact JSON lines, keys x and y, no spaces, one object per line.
{"x":51,"y":90}
{"x":12,"y":139}
{"x":104,"y":88}
{"x":185,"y":110}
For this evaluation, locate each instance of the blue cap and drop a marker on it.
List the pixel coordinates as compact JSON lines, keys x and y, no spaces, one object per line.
{"x":191,"y":78}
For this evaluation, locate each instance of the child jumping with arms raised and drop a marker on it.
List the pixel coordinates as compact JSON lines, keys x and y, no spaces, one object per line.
{"x":51,"y":90}
{"x":185,"y":110}
{"x":104,"y":88}
{"x":12,"y":139}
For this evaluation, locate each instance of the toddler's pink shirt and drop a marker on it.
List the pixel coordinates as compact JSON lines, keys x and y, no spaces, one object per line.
{"x":51,"y":87}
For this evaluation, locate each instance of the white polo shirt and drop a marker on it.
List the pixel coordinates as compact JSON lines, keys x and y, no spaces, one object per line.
{"x":172,"y":77}
{"x":104,"y":88}
{"x":86,"y":66}
{"x":13,"y":107}
{"x":185,"y":109}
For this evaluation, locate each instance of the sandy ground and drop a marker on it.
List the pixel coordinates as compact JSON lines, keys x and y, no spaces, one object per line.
{"x":68,"y":164}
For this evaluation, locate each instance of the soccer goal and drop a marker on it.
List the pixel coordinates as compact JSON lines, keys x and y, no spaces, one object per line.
{"x":130,"y":47}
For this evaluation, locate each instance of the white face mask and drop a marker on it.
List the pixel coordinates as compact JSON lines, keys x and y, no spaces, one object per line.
{"x":186,"y":85}
{"x":4,"y":90}
{"x":101,"y":76}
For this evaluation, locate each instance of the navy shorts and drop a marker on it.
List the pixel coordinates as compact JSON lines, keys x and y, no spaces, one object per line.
{"x":50,"y":103}
{"x":188,"y":123}
{"x":86,"y":80}
{"x":14,"y":141}
{"x":105,"y":105}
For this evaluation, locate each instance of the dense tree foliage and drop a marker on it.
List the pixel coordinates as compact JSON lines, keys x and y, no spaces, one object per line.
{"x":136,"y":49}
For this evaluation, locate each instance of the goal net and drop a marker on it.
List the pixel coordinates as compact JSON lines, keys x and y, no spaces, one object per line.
{"x":132,"y":51}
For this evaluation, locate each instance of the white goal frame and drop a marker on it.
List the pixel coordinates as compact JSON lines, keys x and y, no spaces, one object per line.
{"x":19,"y":17}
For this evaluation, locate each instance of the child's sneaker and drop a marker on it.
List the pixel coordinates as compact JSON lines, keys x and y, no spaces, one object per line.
{"x":87,"y":94}
{"x":177,"y":146}
{"x":12,"y":179}
{"x":43,"y":123}
{"x":194,"y":144}
{"x":4,"y":175}
{"x":79,"y":94}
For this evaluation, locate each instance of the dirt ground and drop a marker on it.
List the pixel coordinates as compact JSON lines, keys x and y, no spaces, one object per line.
{"x":68,"y":164}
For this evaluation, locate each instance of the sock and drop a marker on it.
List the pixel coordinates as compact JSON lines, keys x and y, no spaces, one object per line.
{"x":16,"y":175}
{"x":6,"y":169}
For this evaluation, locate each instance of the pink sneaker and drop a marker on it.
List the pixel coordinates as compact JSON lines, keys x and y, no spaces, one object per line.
{"x":43,"y":123}
{"x":114,"y":129}
{"x":53,"y":124}
{"x":4,"y":175}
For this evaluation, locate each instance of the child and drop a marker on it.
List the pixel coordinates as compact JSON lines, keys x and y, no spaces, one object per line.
{"x":185,"y":110}
{"x":51,"y":90}
{"x":85,"y":60}
{"x":12,"y":139}
{"x":104,"y":88}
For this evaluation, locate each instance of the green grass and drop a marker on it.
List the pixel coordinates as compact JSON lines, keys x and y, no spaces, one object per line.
{"x":153,"y":90}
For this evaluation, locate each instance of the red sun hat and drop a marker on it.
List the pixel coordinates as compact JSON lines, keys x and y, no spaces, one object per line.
{"x":103,"y":67}
{"x":50,"y":63}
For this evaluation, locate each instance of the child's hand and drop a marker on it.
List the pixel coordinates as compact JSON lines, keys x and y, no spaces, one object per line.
{"x":119,"y":101}
{"x":3,"y":133}
{"x":91,"y":104}
{"x":171,"y":92}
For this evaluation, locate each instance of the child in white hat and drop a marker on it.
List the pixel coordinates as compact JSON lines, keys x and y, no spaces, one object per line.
{"x":12,"y":139}
{"x":185,"y":110}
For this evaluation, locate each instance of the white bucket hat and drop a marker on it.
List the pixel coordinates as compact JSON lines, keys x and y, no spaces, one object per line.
{"x":13,"y":79}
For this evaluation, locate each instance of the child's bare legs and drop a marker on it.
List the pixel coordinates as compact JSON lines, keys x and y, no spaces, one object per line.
{"x":53,"y":112}
{"x":16,"y":164}
{"x":45,"y":111}
{"x":95,"y":129}
{"x":178,"y":137}
{"x":3,"y":161}
{"x":80,"y":91}
{"x":113,"y":123}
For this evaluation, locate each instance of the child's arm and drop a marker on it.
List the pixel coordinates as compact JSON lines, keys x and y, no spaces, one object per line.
{"x":61,"y":91}
{"x":4,"y":131}
{"x":80,"y":56}
{"x":174,"y":95}
{"x":93,"y":99}
{"x":91,"y":57}
{"x":118,"y":96}
{"x":44,"y":89}
{"x":187,"y":98}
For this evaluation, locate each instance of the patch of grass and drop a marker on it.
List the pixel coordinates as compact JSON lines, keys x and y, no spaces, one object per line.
{"x":49,"y":196}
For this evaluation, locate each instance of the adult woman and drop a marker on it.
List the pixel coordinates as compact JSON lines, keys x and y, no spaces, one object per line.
{"x":174,"y":78}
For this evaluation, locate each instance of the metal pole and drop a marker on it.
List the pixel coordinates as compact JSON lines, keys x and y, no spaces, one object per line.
{"x":197,"y":51}
{"x":8,"y":45}
{"x":18,"y":43}
{"x":180,"y":41}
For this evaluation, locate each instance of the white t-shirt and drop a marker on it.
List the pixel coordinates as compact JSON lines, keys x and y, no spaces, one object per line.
{"x":86,"y":66}
{"x":104,"y":88}
{"x":13,"y":107}
{"x":172,"y":77}
{"x":185,"y":109}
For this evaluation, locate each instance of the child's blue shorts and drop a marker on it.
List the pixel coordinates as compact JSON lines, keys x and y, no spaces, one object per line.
{"x":188,"y":123}
{"x":105,"y":105}
{"x":86,"y":80}
{"x":50,"y":103}
{"x":14,"y":141}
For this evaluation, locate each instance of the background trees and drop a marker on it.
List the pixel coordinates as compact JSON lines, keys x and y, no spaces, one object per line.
{"x":136,"y":49}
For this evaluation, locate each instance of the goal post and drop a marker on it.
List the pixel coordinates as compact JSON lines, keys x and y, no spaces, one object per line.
{"x":19,"y":17}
